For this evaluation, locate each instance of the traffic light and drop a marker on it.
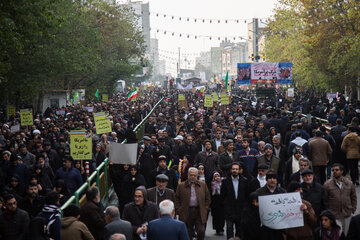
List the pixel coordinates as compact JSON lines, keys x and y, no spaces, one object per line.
{"x":252,"y":57}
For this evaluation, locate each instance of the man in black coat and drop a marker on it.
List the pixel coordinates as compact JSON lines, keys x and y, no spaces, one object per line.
{"x":163,"y":169}
{"x":115,"y":224}
{"x":140,"y":212}
{"x":234,"y":192}
{"x":91,"y":213}
{"x":228,"y":157}
{"x":354,"y":228}
{"x":314,"y":192}
{"x":188,"y":148}
{"x":32,"y":203}
{"x":14,"y":222}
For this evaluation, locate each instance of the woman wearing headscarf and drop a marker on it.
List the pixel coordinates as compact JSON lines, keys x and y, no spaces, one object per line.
{"x":328,"y":230}
{"x":216,"y":204}
{"x":131,"y":181}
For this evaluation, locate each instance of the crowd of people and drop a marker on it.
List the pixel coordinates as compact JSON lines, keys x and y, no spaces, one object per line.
{"x":192,"y":161}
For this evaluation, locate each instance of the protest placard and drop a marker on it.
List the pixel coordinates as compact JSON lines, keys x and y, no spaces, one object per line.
{"x":102,"y":123}
{"x":208,"y":102}
{"x":224,"y":99}
{"x":123,"y":153}
{"x":26,"y":117}
{"x":80,"y":145}
{"x":181,"y":97}
{"x":11,"y":110}
{"x":281,"y":211}
{"x":60,"y":112}
{"x":15,"y":128}
{"x":215,"y":97}
{"x":105,"y":98}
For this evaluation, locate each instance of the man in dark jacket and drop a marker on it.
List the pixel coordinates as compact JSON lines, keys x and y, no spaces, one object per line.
{"x":188,"y":148}
{"x":69,"y":174}
{"x":160,"y":192}
{"x":52,"y":215}
{"x":91,"y":213}
{"x":32,"y":203}
{"x":234,"y":191}
{"x":163,"y":169}
{"x":115,"y":224}
{"x":140,"y":212}
{"x":210,"y":161}
{"x":228,"y":157}
{"x":272,"y":162}
{"x":314,"y":192}
{"x":14,"y":222}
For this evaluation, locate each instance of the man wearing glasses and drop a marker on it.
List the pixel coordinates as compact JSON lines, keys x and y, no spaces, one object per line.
{"x":14,"y":222}
{"x":342,"y":197}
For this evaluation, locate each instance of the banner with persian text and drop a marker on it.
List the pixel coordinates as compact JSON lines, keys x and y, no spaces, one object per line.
{"x":265,"y":72}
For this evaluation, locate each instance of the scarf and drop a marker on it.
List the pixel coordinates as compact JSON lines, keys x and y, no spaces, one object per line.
{"x":334,"y":234}
{"x":215,"y":187}
{"x":55,"y":213}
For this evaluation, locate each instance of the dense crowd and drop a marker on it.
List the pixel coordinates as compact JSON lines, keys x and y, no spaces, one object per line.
{"x":214,"y":161}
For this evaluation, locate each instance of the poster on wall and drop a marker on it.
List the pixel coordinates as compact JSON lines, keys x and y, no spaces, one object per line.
{"x":264,"y":72}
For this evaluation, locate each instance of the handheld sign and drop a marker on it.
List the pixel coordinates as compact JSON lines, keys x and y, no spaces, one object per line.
{"x":281,"y":211}
{"x":224,"y":99}
{"x":11,"y":110}
{"x":208,"y":102}
{"x":102,"y":123}
{"x":214,"y":96}
{"x":181,"y":97}
{"x":26,"y":117}
{"x":105,"y":98}
{"x":80,"y":145}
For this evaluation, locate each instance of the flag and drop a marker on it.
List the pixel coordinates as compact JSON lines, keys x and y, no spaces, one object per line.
{"x":132,"y":94}
{"x":226,"y":80}
{"x":75,"y":96}
{"x":97,"y":94}
{"x":201,"y":91}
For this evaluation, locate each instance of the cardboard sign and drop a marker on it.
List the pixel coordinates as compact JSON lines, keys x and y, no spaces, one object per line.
{"x":123,"y":153}
{"x":80,"y":145}
{"x":290,"y":93}
{"x":11,"y":110}
{"x":224,"y":99}
{"x":215,"y":97}
{"x":102,"y":123}
{"x":105,"y":98}
{"x":281,"y":211}
{"x":26,"y":117}
{"x":208,"y":102}
{"x":181,"y":97}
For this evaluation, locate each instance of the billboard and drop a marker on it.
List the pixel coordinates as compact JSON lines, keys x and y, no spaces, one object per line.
{"x":276,"y":72}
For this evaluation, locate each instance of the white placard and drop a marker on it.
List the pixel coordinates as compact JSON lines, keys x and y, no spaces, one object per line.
{"x":15,"y":128}
{"x":123,"y":153}
{"x":290,"y":92}
{"x":281,"y":211}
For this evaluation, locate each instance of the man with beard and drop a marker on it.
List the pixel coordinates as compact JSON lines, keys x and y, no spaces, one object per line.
{"x":313,"y":192}
{"x":293,"y":164}
{"x":234,"y":192}
{"x":271,"y":161}
{"x":228,"y":157}
{"x":210,"y":161}
{"x":342,"y":196}
{"x":188,"y":148}
{"x":32,"y":203}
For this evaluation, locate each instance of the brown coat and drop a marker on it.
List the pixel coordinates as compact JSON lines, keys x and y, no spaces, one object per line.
{"x":153,"y":195}
{"x":342,"y":202}
{"x":304,"y":232}
{"x":73,"y":229}
{"x":351,"y":146}
{"x":320,"y":151}
{"x":182,"y":200}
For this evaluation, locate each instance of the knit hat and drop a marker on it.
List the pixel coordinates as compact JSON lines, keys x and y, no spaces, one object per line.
{"x":268,"y":145}
{"x":227,"y":142}
{"x":71,"y":211}
{"x":293,"y":186}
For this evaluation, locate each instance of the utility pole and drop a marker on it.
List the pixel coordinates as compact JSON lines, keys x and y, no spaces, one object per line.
{"x":178,"y":70}
{"x":255,"y":38}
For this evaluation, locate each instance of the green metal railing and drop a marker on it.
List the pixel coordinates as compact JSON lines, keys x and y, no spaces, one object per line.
{"x":100,"y":177}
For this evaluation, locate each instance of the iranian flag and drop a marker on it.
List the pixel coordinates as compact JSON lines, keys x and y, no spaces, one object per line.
{"x":132,"y":94}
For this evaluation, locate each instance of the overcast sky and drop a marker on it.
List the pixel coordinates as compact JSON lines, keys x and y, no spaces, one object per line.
{"x":208,"y":9}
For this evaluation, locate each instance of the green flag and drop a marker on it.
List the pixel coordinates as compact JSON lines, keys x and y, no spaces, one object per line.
{"x":97,"y":94}
{"x":75,"y":96}
{"x":226,"y":80}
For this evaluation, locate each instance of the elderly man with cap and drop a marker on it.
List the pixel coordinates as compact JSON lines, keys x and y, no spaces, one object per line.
{"x":160,"y":192}
{"x":260,"y":180}
{"x":304,"y":163}
{"x":271,"y":186}
{"x":163,"y":169}
{"x":313,"y":192}
{"x":272,"y":162}
{"x":228,"y":157}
